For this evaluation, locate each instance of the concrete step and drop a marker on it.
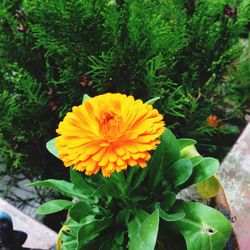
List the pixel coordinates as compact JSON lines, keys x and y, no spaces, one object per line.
{"x":234,"y":174}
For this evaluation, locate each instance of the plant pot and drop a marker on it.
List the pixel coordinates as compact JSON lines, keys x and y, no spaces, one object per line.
{"x":220,"y":203}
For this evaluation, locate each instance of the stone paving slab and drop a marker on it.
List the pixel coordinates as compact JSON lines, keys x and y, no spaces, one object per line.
{"x":23,"y":197}
{"x":39,"y":236}
{"x":234,"y":175}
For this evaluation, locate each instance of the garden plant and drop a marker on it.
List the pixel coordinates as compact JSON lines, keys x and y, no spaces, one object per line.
{"x":126,"y":169}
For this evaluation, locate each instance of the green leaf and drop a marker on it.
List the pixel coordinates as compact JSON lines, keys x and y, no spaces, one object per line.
{"x":54,"y":206}
{"x":69,"y":245}
{"x":169,"y":217}
{"x":118,"y":179}
{"x":80,"y":210}
{"x":104,"y":241}
{"x":107,"y":189}
{"x":69,"y":242}
{"x":153,"y":100}
{"x":205,"y":169}
{"x":171,"y":147}
{"x":143,"y":233}
{"x":139,"y":177}
{"x":50,"y":145}
{"x":122,"y":216}
{"x":108,"y":244}
{"x":63,"y":187}
{"x":79,"y":183}
{"x":166,"y":153}
{"x":89,"y":231}
{"x":130,"y":173}
{"x":184,"y":142}
{"x":135,"y":224}
{"x":196,"y":160}
{"x":85,"y":97}
{"x":203,"y":227}
{"x":189,"y":152}
{"x":69,"y":235}
{"x":168,"y":200}
{"x":73,"y":227}
{"x":119,"y":237}
{"x":179,"y":172}
{"x":209,"y":188}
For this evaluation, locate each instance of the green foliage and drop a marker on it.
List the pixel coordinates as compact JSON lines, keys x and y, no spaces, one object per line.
{"x":210,"y":230}
{"x":61,"y":186}
{"x":131,"y":210}
{"x":208,"y":188}
{"x":21,"y":133}
{"x":239,"y":78}
{"x":167,"y":153}
{"x":143,"y":231}
{"x":54,"y":206}
{"x":179,"y":172}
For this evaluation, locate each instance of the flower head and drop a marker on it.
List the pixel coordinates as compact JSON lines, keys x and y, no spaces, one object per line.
{"x":109,"y":132}
{"x":214,"y":122}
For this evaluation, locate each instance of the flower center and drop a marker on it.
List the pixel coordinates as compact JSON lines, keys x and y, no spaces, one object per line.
{"x":109,"y":124}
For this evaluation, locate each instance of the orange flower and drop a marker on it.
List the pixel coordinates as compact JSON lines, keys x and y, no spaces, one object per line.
{"x":109,"y":132}
{"x":213,"y":121}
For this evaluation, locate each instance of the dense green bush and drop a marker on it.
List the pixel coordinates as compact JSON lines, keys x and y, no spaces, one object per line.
{"x":52,"y":52}
{"x":239,"y":78}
